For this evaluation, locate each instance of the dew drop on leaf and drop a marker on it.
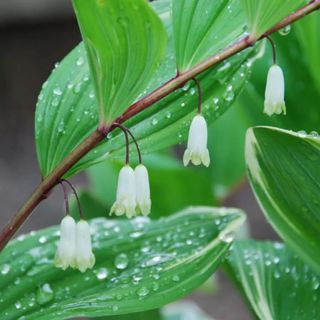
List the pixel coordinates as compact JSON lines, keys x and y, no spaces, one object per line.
{"x":121,"y":261}
{"x":154,"y":121}
{"x":227,"y":237}
{"x":102,"y":273}
{"x":80,"y":61}
{"x":43,"y":239}
{"x":285,"y":31}
{"x":176,"y":278}
{"x":57,"y":91}
{"x":55,"y":102}
{"x":143,"y":292}
{"x":5,"y":269}
{"x":44,"y":294}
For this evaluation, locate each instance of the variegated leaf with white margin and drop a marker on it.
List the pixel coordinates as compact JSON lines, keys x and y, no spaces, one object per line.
{"x":276,"y":282}
{"x":284,"y":172}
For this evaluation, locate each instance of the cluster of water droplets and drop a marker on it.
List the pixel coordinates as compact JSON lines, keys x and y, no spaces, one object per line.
{"x":270,"y":264}
{"x":60,"y":96}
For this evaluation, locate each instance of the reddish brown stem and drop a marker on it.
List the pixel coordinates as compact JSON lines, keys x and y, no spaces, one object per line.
{"x":97,"y":136}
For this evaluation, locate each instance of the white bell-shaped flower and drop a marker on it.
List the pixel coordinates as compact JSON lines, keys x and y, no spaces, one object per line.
{"x":197,"y":151}
{"x":126,"y":193}
{"x":84,"y":257}
{"x":142,"y":190}
{"x":274,"y":95}
{"x":66,"y":251}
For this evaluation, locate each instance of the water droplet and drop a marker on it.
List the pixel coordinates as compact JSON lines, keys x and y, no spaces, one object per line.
{"x":43,"y":239}
{"x":229,"y":94}
{"x":115,"y":308}
{"x":18,"y":305}
{"x":5,"y":269}
{"x":102,"y":273}
{"x":156,"y":276}
{"x":80,"y":61}
{"x":176,"y":278}
{"x":315,"y":284}
{"x":302,"y":133}
{"x":44,"y":294}
{"x":77,"y":88}
{"x":55,"y":102}
{"x":182,"y":104}
{"x":121,"y":261}
{"x":168,"y":115}
{"x":154,"y":121}
{"x":143,"y":292}
{"x":61,"y":127}
{"x":285,"y":30}
{"x":136,"y":234}
{"x":186,"y":87}
{"x":57,"y":91}
{"x":227,"y":237}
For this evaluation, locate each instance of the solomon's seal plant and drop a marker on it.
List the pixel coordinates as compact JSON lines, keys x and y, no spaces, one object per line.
{"x":139,"y":73}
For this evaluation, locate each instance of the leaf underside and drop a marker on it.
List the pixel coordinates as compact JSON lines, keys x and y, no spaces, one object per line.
{"x":121,"y":63}
{"x":67,"y":111}
{"x":200,"y":29}
{"x":264,"y":14}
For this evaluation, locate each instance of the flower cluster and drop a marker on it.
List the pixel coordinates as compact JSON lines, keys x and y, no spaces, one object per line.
{"x":133,"y":192}
{"x":74,"y":247}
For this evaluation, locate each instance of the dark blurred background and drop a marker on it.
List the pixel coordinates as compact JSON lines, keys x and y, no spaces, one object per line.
{"x":34,"y":35}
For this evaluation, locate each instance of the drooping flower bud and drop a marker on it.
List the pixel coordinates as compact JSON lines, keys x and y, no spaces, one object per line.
{"x":274,"y":94}
{"x":142,"y":189}
{"x":66,"y":251}
{"x":126,"y":193}
{"x":84,"y":257}
{"x":197,"y":151}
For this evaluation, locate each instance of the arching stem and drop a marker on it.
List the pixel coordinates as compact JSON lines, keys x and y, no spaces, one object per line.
{"x":75,"y":194}
{"x":273,"y":46}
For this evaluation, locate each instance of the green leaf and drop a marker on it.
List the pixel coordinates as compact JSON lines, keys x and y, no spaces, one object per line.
{"x":125,"y":42}
{"x":91,"y":206}
{"x":264,"y":14}
{"x":140,"y":265}
{"x":276,"y":282}
{"x":283,"y":168}
{"x":307,"y":34}
{"x":168,"y":180}
{"x":152,"y":314}
{"x":67,"y":118}
{"x":200,"y":28}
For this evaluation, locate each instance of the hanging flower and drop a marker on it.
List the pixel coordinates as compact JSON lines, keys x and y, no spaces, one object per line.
{"x":274,"y":94}
{"x":197,"y":151}
{"x":84,"y":256}
{"x":66,"y":251}
{"x":142,"y":189}
{"x":126,"y":193}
